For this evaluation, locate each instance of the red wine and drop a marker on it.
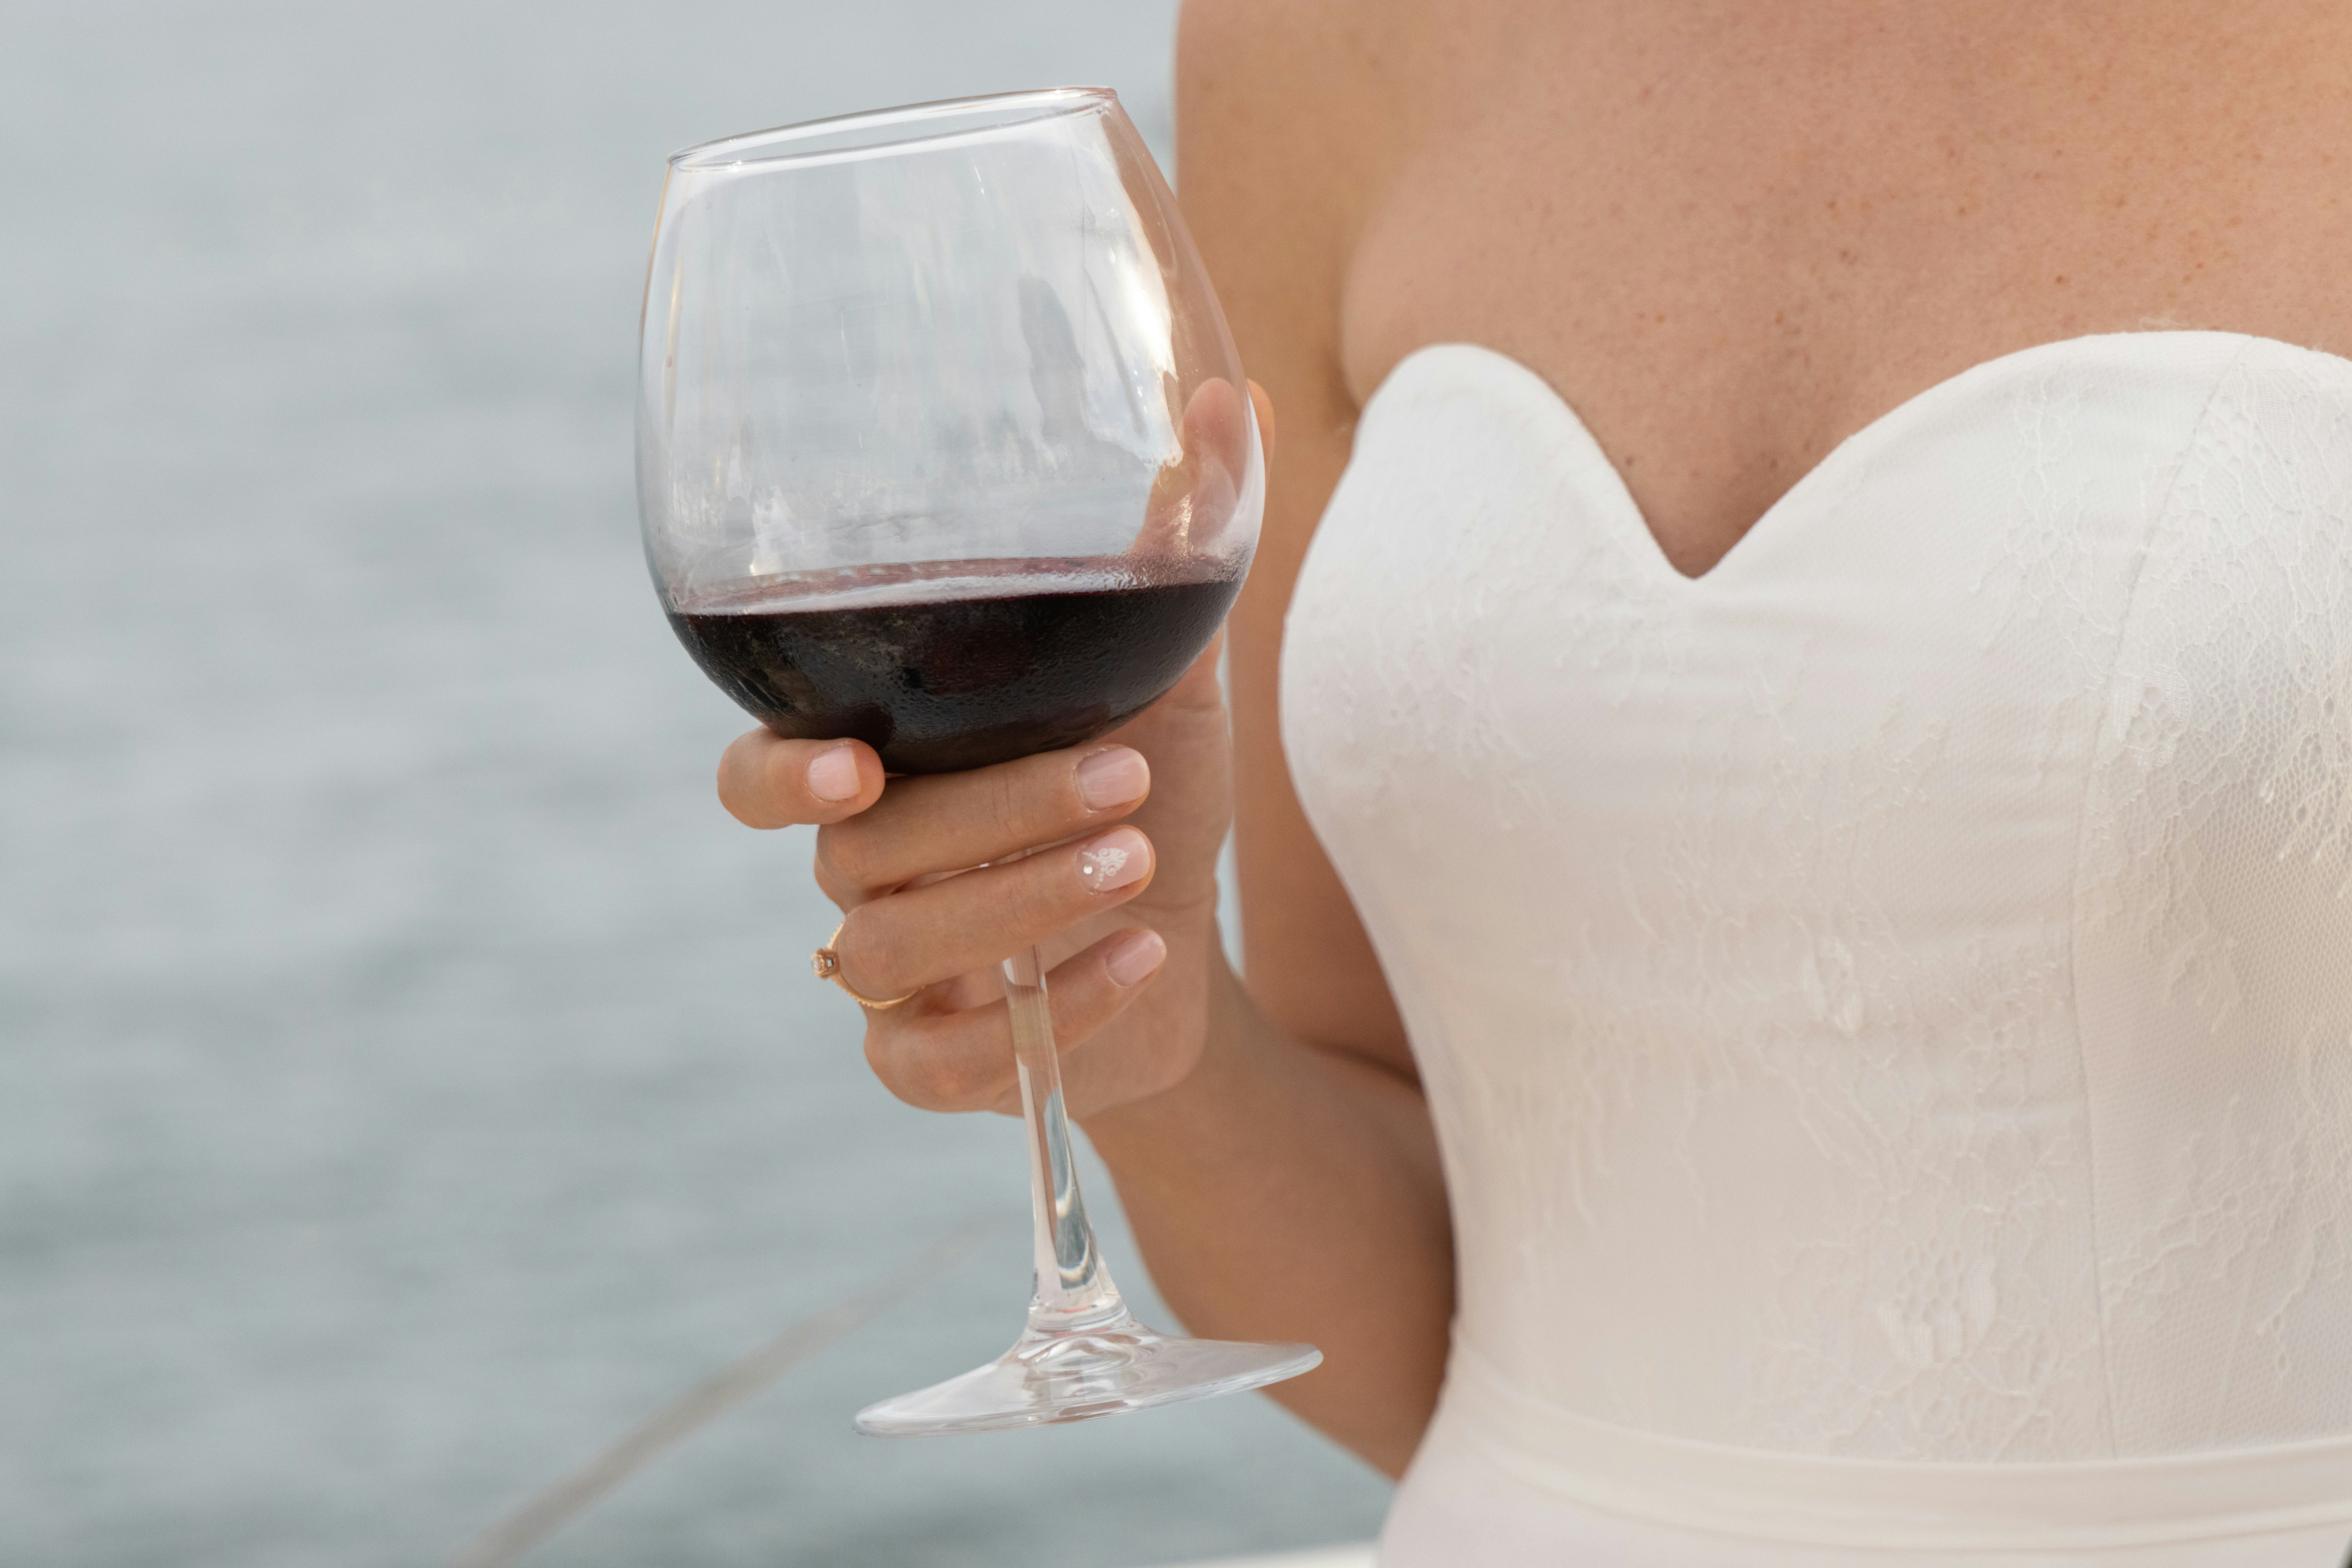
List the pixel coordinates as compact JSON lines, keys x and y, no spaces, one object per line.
{"x":947,"y":665}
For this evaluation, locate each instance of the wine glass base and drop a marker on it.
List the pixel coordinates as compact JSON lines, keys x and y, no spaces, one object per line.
{"x":1106,"y":1369}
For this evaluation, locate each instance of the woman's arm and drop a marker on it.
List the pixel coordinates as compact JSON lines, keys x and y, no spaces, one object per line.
{"x":1289,"y":1186}
{"x":1271,"y":1144}
{"x":1289,"y":1192}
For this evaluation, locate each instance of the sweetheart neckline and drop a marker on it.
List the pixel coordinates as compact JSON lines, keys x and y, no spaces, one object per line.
{"x":1628,"y":512}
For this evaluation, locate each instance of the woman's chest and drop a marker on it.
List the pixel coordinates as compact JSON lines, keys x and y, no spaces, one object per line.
{"x":1732,"y":239}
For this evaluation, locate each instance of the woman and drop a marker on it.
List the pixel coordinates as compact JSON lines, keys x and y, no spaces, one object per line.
{"x":1795,"y":844}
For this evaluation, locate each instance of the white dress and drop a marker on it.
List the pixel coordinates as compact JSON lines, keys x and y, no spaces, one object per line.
{"x":1887,"y":1003}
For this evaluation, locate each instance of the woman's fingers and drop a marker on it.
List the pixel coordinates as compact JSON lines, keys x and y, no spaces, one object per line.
{"x":1194,"y":494}
{"x":921,"y":936}
{"x":925,"y":826}
{"x":962,"y":1060}
{"x":766,"y":780}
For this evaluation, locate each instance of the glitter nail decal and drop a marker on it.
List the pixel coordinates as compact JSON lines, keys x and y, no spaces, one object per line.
{"x":1099,"y":868}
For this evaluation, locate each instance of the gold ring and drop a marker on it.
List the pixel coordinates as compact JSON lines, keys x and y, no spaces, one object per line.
{"x":826,"y":965}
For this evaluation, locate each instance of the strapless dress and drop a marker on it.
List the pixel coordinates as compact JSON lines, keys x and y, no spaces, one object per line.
{"x":1885,"y":1004}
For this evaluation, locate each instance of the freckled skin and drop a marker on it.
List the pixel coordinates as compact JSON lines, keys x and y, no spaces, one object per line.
{"x":1900,"y":189}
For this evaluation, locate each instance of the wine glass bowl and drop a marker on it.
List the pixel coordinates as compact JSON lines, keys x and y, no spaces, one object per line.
{"x":943,"y":444}
{"x":957,"y":352}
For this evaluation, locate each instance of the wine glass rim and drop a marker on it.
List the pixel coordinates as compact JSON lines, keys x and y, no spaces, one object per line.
{"x":898,"y":129}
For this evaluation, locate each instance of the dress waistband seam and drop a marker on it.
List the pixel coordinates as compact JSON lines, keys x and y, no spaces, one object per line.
{"x":1892,"y":1504}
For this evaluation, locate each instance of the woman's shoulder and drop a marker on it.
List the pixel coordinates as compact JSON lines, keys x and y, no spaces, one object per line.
{"x":1290,"y":63}
{"x":1289,"y":116}
{"x":1328,"y":35}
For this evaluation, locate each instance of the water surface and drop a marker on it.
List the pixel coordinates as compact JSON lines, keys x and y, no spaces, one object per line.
{"x":411,"y":1078}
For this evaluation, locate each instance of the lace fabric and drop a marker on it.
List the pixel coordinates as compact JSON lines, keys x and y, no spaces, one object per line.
{"x":2214,"y":969}
{"x":1890,"y":998}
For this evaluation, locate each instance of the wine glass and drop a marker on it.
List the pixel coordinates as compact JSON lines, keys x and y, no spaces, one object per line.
{"x":943,"y":444}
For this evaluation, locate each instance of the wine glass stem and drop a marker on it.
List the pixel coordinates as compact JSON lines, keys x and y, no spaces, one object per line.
{"x":1074,"y":1289}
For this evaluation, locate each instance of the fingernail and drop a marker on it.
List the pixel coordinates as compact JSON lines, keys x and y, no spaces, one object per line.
{"x":1133,"y":960}
{"x":834,"y":775}
{"x":1114,"y":860}
{"x":1113,"y":778}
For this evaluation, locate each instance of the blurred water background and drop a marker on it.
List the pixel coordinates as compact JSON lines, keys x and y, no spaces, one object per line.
{"x":410,"y":1078}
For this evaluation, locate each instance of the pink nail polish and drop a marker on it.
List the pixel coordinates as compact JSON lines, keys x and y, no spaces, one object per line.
{"x":1114,"y":860}
{"x":833,"y":775}
{"x":1136,"y":960}
{"x":1113,"y":778}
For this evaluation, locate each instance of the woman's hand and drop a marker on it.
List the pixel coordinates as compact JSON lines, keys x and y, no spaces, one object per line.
{"x":1116,"y":880}
{"x":1104,"y":856}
